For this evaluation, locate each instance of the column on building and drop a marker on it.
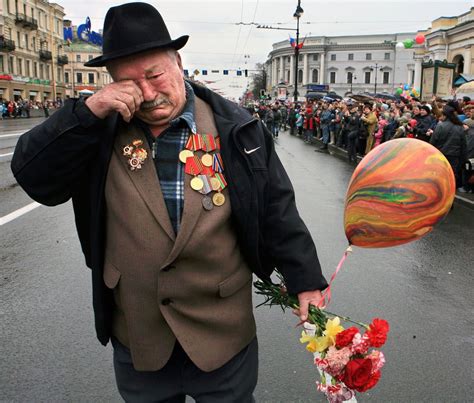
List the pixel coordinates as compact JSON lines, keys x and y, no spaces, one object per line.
{"x":305,"y":69}
{"x":274,"y":72}
{"x":417,"y":81}
{"x":322,"y":70}
{"x":292,"y":70}
{"x":468,"y":60}
{"x":281,"y":77}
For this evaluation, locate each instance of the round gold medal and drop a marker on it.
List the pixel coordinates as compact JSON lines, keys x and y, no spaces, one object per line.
{"x":206,"y":160}
{"x":197,"y":183}
{"x":183,"y":155}
{"x":218,"y":199}
{"x":215,"y":184}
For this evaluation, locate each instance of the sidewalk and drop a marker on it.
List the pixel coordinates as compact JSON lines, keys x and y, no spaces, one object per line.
{"x":464,"y":199}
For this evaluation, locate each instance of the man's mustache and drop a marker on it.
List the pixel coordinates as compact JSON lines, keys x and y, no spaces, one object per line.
{"x":160,"y":100}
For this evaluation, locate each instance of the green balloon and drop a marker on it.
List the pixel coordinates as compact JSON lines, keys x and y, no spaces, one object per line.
{"x":399,"y":91}
{"x":408,"y":43}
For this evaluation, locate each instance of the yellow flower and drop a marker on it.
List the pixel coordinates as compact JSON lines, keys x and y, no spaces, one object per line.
{"x":311,"y":340}
{"x":333,"y":327}
{"x":323,"y":343}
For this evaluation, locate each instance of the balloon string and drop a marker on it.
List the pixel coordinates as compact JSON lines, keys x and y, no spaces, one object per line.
{"x":327,"y":292}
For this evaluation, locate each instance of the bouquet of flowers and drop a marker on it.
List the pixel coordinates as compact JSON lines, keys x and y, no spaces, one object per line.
{"x":345,"y":358}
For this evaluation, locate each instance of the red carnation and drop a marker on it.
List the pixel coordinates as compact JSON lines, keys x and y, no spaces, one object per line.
{"x":374,"y":378}
{"x":357,"y":374}
{"x":377,"y":332}
{"x":345,"y":337}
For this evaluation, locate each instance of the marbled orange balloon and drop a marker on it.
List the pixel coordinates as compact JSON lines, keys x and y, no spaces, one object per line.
{"x":397,"y":193}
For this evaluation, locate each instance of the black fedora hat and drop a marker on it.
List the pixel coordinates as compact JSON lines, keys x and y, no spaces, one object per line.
{"x":133,"y":28}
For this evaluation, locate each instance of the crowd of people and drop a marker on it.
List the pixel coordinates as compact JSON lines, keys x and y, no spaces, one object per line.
{"x":21,"y":108}
{"x":360,"y":125}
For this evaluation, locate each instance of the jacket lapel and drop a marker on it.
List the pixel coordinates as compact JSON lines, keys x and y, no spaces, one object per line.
{"x":145,"y":179}
{"x":193,"y":208}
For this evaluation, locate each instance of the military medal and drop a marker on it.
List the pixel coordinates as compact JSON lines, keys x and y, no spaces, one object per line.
{"x":209,"y":144}
{"x":136,"y":154}
{"x":207,"y":203}
{"x":218,"y":199}
{"x":183,"y":155}
{"x":207,"y":169}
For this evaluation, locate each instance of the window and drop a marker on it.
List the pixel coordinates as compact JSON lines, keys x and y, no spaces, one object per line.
{"x":28,"y":68}
{"x":32,"y":12}
{"x":10,"y":65}
{"x":48,"y":73}
{"x":367,"y":77}
{"x":26,"y":41}
{"x":300,"y":58}
{"x":288,"y":59}
{"x":287,"y":76}
{"x":79,"y":78}
{"x":41,"y":71}
{"x":300,"y":76}
{"x":315,"y":76}
{"x":350,"y":56}
{"x":349,"y":77}
{"x":316,"y":57}
{"x":387,"y":56}
{"x":412,"y":77}
{"x":386,"y":77}
{"x":333,"y":58}
{"x":66,"y":77}
{"x":78,"y":58}
{"x":19,"y":63}
{"x":332,"y":77}
{"x":59,"y":78}
{"x":368,"y":56}
{"x":20,"y":45}
{"x":1,"y":63}
{"x":33,"y":43}
{"x":91,"y":78}
{"x":35,"y":69}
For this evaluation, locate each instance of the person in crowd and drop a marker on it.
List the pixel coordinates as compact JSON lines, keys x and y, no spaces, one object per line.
{"x":276,"y":120}
{"x":308,"y":124}
{"x":284,"y":117}
{"x":353,"y":127}
{"x":382,"y":124}
{"x":171,"y":258}
{"x":450,"y":139}
{"x":326,"y":118}
{"x":369,"y":120}
{"x":426,"y":124}
{"x":299,"y":122}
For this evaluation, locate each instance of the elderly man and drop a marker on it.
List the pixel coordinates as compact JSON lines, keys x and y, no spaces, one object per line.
{"x":178,"y":196}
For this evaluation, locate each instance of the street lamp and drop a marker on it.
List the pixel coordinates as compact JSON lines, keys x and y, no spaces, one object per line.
{"x":372,"y":69}
{"x":298,"y":13}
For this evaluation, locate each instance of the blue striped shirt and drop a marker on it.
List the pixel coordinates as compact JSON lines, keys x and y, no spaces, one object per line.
{"x":166,"y":148}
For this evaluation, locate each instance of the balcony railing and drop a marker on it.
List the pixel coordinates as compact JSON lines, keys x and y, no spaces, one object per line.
{"x":45,"y":55}
{"x":25,"y":21}
{"x":62,"y":60}
{"x":6,"y":45}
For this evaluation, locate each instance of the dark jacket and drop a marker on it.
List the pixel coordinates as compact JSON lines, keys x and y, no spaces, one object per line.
{"x":450,"y":139}
{"x":424,"y":124}
{"x":67,"y":156}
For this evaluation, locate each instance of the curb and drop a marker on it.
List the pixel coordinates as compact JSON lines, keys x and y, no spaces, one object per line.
{"x":342,"y":154}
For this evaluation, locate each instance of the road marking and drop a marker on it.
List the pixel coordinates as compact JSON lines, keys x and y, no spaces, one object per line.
{"x":5,"y":155}
{"x":18,"y":213}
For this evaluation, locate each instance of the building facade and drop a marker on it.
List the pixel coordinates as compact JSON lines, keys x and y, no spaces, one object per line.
{"x":450,"y":39}
{"x":363,"y":63}
{"x":32,"y":56}
{"x":77,"y":77}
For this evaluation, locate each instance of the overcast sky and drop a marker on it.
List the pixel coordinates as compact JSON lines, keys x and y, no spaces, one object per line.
{"x":218,"y":42}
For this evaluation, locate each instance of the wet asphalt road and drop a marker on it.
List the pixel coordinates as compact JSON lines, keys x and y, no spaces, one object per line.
{"x":424,"y":289}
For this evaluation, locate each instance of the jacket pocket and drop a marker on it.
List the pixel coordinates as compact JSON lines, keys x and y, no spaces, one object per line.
{"x":111,"y":275}
{"x":234,"y":283}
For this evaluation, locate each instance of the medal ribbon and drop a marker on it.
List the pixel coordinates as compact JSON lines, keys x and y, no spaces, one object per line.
{"x":209,"y":142}
{"x":218,"y":142}
{"x":217,"y":163}
{"x":221,"y":180}
{"x":197,"y":142}
{"x":193,"y":166}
